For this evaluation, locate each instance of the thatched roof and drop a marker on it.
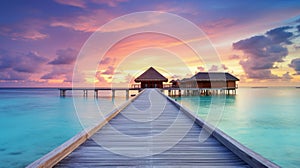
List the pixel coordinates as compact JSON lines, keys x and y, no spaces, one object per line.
{"x":151,"y":75}
{"x":213,"y":76}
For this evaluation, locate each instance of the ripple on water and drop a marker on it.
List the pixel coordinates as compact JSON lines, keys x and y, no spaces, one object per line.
{"x":16,"y":153}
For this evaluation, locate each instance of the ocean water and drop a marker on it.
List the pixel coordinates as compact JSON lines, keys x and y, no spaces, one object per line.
{"x":266,"y":120}
{"x":35,"y":121}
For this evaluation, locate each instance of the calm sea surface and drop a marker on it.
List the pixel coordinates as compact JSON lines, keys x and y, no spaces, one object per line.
{"x":266,"y":120}
{"x":35,"y":121}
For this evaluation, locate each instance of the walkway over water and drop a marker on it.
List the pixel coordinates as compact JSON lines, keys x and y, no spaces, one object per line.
{"x":145,"y":134}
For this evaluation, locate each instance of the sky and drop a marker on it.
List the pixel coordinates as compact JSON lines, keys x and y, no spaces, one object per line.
{"x":42,"y":41}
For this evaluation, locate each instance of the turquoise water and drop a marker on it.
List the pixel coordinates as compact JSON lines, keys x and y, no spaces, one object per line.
{"x":35,"y":121}
{"x":267,"y":120}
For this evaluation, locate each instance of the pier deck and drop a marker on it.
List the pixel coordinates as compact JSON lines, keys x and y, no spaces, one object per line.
{"x":219,"y":150}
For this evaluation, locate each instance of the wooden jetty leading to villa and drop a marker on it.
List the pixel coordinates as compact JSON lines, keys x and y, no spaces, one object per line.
{"x":202,"y":83}
{"x":219,"y":150}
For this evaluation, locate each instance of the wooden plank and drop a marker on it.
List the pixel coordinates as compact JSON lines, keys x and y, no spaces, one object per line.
{"x":56,"y":155}
{"x":252,"y":158}
{"x":188,"y":152}
{"x":218,"y":150}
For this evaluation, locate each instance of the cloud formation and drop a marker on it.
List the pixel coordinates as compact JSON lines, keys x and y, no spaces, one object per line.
{"x":64,"y":56}
{"x":28,"y":30}
{"x":287,"y":76}
{"x":21,"y":62}
{"x":59,"y":72}
{"x":89,"y":22}
{"x":201,"y":68}
{"x":213,"y":68}
{"x":19,"y":66}
{"x":234,"y":56}
{"x":298,"y":27}
{"x":109,"y":71}
{"x":295,"y":63}
{"x":263,"y":51}
{"x":62,"y":68}
{"x":105,"y":61}
{"x":76,"y":3}
{"x":224,"y":67}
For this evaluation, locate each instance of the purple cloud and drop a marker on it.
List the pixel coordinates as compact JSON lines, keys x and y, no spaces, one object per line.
{"x":58,"y":72}
{"x":109,"y":71}
{"x":263,"y":51}
{"x":13,"y":75}
{"x":21,"y":62}
{"x":200,"y":68}
{"x":287,"y":76}
{"x":105,"y":61}
{"x":224,"y":67}
{"x":213,"y":68}
{"x":295,"y":63}
{"x":25,"y":62}
{"x":76,"y":3}
{"x":19,"y":66}
{"x":64,"y":56}
{"x":27,"y":30}
{"x":279,"y":35}
{"x":234,"y":56}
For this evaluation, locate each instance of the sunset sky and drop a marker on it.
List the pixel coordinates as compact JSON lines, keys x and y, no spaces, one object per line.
{"x":258,"y":41}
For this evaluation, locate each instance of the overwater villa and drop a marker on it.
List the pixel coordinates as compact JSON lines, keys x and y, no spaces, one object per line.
{"x":201,"y":83}
{"x":151,"y":79}
{"x":210,"y":80}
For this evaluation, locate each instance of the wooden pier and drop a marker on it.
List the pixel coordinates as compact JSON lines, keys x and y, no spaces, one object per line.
{"x":96,"y":91}
{"x":172,"y":91}
{"x":219,"y":150}
{"x":199,"y":91}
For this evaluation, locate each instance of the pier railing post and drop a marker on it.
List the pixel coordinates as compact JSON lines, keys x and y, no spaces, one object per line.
{"x":113,"y":93}
{"x":85,"y":93}
{"x":96,"y":93}
{"x":127,"y":94}
{"x":62,"y":92}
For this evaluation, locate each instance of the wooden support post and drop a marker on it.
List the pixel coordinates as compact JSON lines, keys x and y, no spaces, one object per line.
{"x":96,"y":93}
{"x":113,"y":93}
{"x":169,"y":92}
{"x":62,"y":93}
{"x":127,"y":94}
{"x":85,"y":93}
{"x":179,"y":92}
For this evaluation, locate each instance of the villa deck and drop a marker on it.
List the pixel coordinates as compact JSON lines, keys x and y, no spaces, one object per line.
{"x":141,"y":147}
